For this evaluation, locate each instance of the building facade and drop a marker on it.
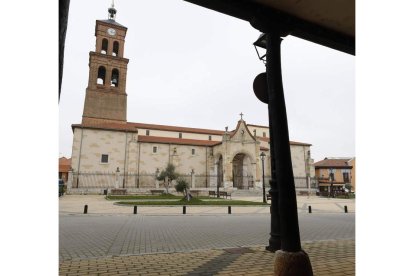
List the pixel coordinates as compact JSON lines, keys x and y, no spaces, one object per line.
{"x":335,"y":173}
{"x":108,"y":151}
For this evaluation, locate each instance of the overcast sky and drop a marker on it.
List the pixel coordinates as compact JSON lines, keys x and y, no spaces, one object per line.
{"x":189,"y":66}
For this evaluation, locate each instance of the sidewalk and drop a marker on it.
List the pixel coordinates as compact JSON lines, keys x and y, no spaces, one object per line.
{"x":97,"y":204}
{"x":327,"y":258}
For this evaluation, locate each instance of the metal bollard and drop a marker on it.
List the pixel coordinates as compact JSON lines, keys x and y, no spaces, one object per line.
{"x":310,"y":209}
{"x":184,"y":209}
{"x":346,"y":209}
{"x":85,"y":209}
{"x":229,"y":210}
{"x":135,"y":209}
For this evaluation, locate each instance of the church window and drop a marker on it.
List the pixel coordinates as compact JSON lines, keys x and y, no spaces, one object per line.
{"x":115,"y":49}
{"x":192,"y":151}
{"x":154,"y":149}
{"x":147,"y":132}
{"x":264,"y":134}
{"x":104,"y":158}
{"x":101,"y":75}
{"x":209,"y":137}
{"x":104,"y":48}
{"x":115,"y":78}
{"x":180,"y":135}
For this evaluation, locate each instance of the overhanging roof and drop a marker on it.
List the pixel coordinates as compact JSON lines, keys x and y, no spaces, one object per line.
{"x":330,"y":23}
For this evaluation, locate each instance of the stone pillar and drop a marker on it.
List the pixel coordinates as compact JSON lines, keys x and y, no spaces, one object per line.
{"x":192,"y":179}
{"x":69,"y":182}
{"x":117,"y":178}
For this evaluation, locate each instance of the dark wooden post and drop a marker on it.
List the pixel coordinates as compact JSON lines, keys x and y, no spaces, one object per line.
{"x":289,"y":225}
{"x":274,"y":240}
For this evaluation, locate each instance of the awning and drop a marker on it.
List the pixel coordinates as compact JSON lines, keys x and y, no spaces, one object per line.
{"x":330,"y":23}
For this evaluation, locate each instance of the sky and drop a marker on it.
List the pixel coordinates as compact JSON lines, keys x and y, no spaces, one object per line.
{"x":193,"y":67}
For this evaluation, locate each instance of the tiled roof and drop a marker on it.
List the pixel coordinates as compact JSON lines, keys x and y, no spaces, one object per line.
{"x":177,"y":128}
{"x":132,"y":127}
{"x":178,"y":141}
{"x":111,"y":21}
{"x":107,"y":126}
{"x":333,"y":163}
{"x":266,"y":139}
{"x":257,"y":126}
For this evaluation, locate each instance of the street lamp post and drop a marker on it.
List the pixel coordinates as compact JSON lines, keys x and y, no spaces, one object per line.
{"x":262,"y":156}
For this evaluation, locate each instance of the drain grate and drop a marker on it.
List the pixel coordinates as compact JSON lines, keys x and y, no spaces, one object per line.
{"x":238,"y":250}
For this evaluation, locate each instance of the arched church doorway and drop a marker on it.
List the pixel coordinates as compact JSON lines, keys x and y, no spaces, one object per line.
{"x":242,"y":178}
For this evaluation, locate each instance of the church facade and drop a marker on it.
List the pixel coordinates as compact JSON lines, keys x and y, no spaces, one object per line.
{"x":110,"y":152}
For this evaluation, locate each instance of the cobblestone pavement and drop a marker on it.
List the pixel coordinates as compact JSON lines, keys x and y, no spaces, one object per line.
{"x":110,"y":240}
{"x":330,"y":258}
{"x":86,"y":236}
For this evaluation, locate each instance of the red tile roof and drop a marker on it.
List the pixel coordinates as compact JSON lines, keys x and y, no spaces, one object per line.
{"x":107,"y":126}
{"x":132,"y":127}
{"x":333,"y":163}
{"x":177,"y":128}
{"x":177,"y":141}
{"x":266,"y":139}
{"x":257,"y":126}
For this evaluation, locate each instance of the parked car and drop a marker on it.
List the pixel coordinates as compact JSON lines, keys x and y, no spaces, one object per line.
{"x":61,"y":187}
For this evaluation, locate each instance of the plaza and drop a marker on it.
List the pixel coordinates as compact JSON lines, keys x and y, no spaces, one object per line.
{"x":111,"y":240}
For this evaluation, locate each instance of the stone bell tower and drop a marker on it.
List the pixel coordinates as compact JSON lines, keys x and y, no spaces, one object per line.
{"x":106,"y":99}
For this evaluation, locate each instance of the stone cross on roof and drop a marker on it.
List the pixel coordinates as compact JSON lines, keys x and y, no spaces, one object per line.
{"x":241,"y":116}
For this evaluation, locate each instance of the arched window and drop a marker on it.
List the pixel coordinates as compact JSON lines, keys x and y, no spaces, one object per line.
{"x":104,"y":48}
{"x":101,"y":75}
{"x":115,"y":78}
{"x":115,"y":49}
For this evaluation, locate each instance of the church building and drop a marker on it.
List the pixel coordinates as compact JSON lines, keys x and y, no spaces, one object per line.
{"x":110,"y":152}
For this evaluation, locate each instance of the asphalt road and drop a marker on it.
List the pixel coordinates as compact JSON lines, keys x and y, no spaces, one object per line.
{"x":101,"y":235}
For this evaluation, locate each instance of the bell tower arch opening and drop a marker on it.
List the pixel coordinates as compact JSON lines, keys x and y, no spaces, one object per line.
{"x":101,"y":75}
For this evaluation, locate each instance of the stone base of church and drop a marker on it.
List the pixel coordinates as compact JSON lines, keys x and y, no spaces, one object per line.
{"x":292,"y":263}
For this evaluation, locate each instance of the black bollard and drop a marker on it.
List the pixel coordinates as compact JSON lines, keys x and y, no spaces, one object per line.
{"x":135,"y":209}
{"x":184,"y":209}
{"x":229,"y":210}
{"x":346,"y":209}
{"x":310,"y":209}
{"x":85,"y":209}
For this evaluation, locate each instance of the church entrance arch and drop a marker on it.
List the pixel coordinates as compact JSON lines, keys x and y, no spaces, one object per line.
{"x":242,"y":176}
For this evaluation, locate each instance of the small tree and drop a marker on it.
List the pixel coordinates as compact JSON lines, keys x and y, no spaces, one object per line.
{"x":168,"y":175}
{"x":183,"y":187}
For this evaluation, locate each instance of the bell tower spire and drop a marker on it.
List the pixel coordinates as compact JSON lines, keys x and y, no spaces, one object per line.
{"x":112,"y":11}
{"x":106,"y":98}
